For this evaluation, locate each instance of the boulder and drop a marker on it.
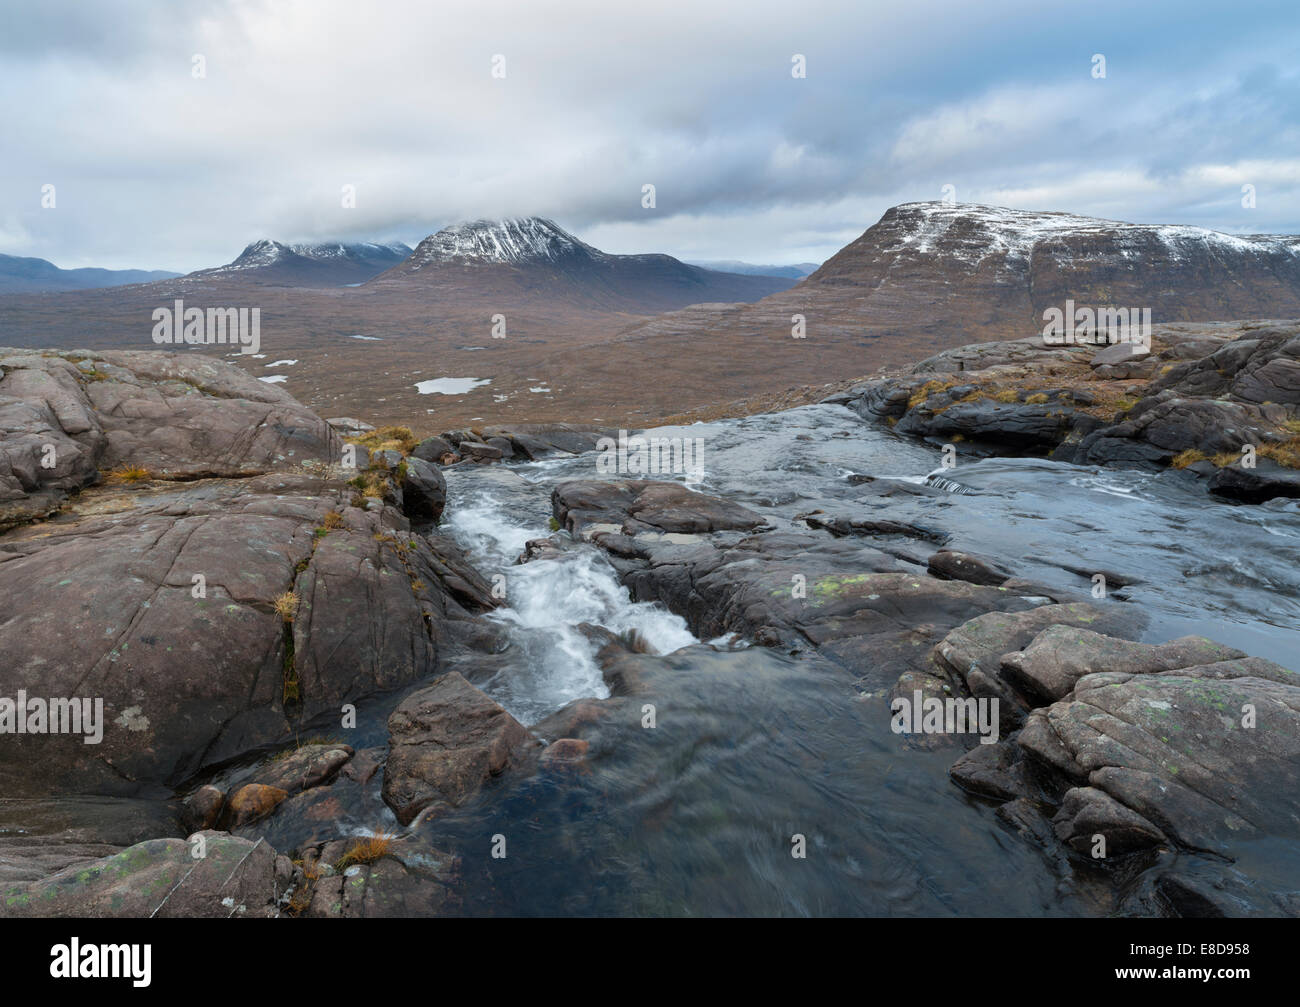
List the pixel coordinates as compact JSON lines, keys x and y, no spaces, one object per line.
{"x":639,"y":505}
{"x":424,"y":490}
{"x":948,"y":564}
{"x":477,"y":451}
{"x":203,"y":808}
{"x":447,"y":741}
{"x":251,"y":802}
{"x":303,"y":768}
{"x":433,"y":449}
{"x":502,"y":444}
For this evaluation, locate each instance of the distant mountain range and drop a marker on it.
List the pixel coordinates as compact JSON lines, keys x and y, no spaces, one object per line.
{"x":796,"y":272}
{"x":19,"y":275}
{"x":595,"y":336}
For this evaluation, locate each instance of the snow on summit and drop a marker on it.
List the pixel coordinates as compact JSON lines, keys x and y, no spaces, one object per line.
{"x":999,"y":229}
{"x":266,"y":252}
{"x":522,"y":239}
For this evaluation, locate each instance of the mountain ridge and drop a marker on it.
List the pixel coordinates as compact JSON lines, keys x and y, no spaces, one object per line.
{"x":32,"y":275}
{"x":329,"y":263}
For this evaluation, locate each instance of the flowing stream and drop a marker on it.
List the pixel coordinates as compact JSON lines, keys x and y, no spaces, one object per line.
{"x":753,"y":747}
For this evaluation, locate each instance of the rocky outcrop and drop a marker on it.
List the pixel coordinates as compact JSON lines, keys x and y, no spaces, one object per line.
{"x":293,"y":602}
{"x":1050,"y":667}
{"x":1217,"y":400}
{"x":162,"y":878}
{"x":65,"y":416}
{"x":292,"y":591}
{"x":854,"y":597}
{"x":1195,"y":752}
{"x":974,"y":649}
{"x":1130,"y":746}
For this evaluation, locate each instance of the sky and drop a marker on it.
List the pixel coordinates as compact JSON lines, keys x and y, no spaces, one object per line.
{"x":157,"y":166}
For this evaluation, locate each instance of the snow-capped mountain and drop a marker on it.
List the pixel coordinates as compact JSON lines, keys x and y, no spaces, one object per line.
{"x":968,"y":235}
{"x":536,"y":258}
{"x":519,"y":240}
{"x":329,"y":263}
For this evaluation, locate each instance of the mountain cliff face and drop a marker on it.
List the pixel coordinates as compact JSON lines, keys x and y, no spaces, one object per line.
{"x":535,"y":257}
{"x":322,"y":264}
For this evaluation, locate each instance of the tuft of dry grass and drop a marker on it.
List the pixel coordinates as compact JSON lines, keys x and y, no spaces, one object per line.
{"x":299,"y":901}
{"x":389,"y":439}
{"x":1111,"y":400}
{"x":926,"y":390}
{"x":1189,"y":457}
{"x":1037,"y":400}
{"x":366,"y":851}
{"x":371,"y":483}
{"x":128,"y":474}
{"x":286,"y":606}
{"x":333,"y":519}
{"x":1287,"y":453}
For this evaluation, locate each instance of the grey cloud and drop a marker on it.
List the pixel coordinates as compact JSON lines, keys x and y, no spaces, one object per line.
{"x":157,"y":169}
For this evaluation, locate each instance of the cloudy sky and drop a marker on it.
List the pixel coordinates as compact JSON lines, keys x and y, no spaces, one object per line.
{"x":155,"y":167}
